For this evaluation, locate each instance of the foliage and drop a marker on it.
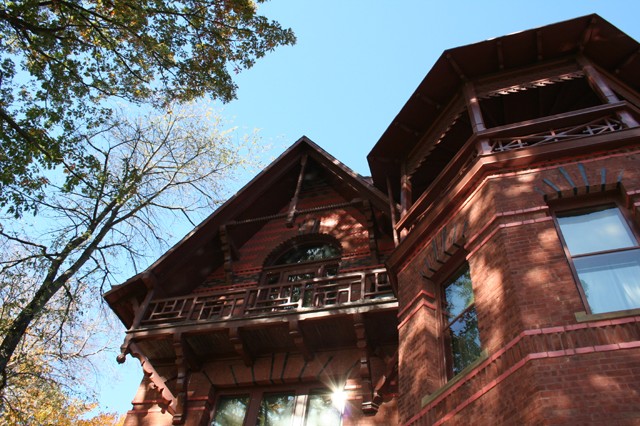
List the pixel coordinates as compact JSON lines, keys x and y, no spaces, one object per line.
{"x":62,"y":60}
{"x":42,"y":402}
{"x":151,"y":171}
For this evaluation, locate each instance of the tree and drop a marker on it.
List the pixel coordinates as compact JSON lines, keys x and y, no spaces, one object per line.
{"x":140,"y":174}
{"x":62,"y":61}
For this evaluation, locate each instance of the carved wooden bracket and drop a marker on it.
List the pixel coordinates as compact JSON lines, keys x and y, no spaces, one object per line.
{"x":384,"y":384}
{"x":369,"y":407}
{"x":298,"y":340}
{"x":182,"y":380}
{"x":130,"y":347}
{"x":239,"y":346}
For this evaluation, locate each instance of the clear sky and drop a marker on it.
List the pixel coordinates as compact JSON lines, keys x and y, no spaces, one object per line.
{"x":354,"y":66}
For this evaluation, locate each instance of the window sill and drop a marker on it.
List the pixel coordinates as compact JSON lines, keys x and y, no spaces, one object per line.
{"x":461,"y":375}
{"x":584,"y":317}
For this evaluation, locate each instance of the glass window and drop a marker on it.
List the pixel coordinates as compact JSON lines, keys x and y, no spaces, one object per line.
{"x":605,"y":256}
{"x":231,"y":411}
{"x":276,"y":410}
{"x":308,"y":253}
{"x":461,"y":328}
{"x":322,"y":410}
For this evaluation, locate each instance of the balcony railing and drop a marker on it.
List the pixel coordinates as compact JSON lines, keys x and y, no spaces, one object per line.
{"x":592,"y":121}
{"x":312,"y":294}
{"x":592,"y":128}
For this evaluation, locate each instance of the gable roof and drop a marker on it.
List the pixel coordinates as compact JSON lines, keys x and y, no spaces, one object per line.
{"x":190,"y":260}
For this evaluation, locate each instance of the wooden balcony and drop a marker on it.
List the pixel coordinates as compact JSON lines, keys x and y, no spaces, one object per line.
{"x":302,"y":316}
{"x":340,"y":291}
{"x":524,"y":143}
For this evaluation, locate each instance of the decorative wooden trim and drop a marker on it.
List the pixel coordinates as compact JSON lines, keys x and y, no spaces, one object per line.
{"x":150,"y":372}
{"x":620,"y":142}
{"x":226,"y":249}
{"x":294,"y":201}
{"x":369,"y":407}
{"x":371,"y":230}
{"x":238,"y":344}
{"x":601,"y":87}
{"x":298,"y":340}
{"x":473,"y":108}
{"x":547,"y":72}
{"x":182,"y":379}
{"x":436,"y":133}
{"x":383,"y":386}
{"x":392,"y":212}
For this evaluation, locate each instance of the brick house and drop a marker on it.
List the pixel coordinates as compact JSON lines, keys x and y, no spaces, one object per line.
{"x":487,"y":273}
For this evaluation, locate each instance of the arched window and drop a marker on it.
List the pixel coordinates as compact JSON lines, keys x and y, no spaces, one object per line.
{"x":303,"y":259}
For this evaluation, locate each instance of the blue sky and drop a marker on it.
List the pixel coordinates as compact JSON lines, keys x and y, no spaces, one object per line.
{"x":354,"y":66}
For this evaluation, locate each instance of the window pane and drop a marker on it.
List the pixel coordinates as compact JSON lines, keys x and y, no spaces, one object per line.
{"x":276,"y":410}
{"x":321,"y":411}
{"x":596,"y":231}
{"x":465,"y":340}
{"x":611,"y":281}
{"x":459,"y":294}
{"x":300,"y":277}
{"x":308,"y":253}
{"x":231,"y":411}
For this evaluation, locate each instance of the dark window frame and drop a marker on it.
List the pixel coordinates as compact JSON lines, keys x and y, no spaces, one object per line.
{"x":301,"y":394}
{"x":451,"y":272}
{"x":585,"y":205}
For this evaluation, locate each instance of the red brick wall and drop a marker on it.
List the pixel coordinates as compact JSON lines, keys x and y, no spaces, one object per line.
{"x":347,"y":224}
{"x":522,"y":282}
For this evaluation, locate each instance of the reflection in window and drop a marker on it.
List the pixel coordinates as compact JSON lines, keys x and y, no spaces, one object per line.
{"x":308,"y":253}
{"x":606,"y":257}
{"x":461,"y":329}
{"x":322,"y":411}
{"x":276,"y":410}
{"x":231,"y":411}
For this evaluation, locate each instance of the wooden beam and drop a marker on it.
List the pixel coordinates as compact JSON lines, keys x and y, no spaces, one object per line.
{"x":392,"y":212}
{"x":371,"y":228}
{"x":407,"y":128}
{"x":630,"y":58}
{"x":165,"y":331}
{"x":383,"y":386}
{"x":298,"y":340}
{"x":600,"y":86}
{"x":239,"y":346}
{"x":473,"y":108}
{"x":539,"y":48}
{"x":427,"y":100}
{"x":434,"y":135}
{"x":405,"y":190}
{"x":500,"y":54}
{"x":531,"y":77}
{"x":294,"y":201}
{"x":182,"y":380}
{"x":456,"y":67}
{"x":364,"y":373}
{"x":586,"y":35}
{"x":228,"y":257}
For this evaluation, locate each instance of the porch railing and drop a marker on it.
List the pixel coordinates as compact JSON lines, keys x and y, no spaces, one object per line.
{"x":316,"y":293}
